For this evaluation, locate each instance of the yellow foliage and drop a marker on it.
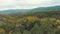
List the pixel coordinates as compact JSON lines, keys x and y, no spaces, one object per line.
{"x":58,"y":21}
{"x":45,"y":19}
{"x":58,"y":27}
{"x":32,"y":18}
{"x":2,"y":30}
{"x":29,"y":18}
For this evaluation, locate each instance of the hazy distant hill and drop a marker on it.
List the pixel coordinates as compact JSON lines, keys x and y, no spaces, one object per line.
{"x":14,"y":11}
{"x":30,"y":10}
{"x":46,"y":8}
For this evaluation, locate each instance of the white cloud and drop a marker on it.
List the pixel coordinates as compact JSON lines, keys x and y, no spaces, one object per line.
{"x":32,"y":1}
{"x":6,"y":2}
{"x":25,"y":4}
{"x":25,"y":7}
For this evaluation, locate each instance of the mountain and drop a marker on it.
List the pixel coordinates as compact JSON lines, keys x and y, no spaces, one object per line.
{"x":30,"y":10}
{"x":14,"y":11}
{"x":46,"y":8}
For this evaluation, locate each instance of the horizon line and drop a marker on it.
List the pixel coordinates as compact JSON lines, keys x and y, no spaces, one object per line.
{"x":26,"y":8}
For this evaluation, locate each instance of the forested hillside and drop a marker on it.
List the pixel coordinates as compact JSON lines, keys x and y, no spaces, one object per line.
{"x":38,"y":22}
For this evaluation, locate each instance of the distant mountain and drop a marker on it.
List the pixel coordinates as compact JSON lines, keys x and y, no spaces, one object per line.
{"x":30,"y":10}
{"x":46,"y":8}
{"x":14,"y":11}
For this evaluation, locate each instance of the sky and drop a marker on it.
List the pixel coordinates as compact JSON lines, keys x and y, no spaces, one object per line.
{"x":27,"y":4}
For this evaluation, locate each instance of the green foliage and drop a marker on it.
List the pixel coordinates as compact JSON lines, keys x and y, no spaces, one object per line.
{"x":45,"y":22}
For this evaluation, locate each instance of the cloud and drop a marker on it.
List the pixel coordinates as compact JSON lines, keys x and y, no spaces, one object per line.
{"x":26,"y":4}
{"x":32,"y":1}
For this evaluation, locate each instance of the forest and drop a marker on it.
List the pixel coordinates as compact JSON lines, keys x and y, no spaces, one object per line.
{"x":39,"y":22}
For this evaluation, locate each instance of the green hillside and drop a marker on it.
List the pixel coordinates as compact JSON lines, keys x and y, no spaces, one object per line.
{"x":34,"y":22}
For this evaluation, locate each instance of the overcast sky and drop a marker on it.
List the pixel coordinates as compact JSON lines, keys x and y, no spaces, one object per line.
{"x":26,"y":4}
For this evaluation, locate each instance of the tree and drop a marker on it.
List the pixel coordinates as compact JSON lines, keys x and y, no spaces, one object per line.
{"x":27,"y":23}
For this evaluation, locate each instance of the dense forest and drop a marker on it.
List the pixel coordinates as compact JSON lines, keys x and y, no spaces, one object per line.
{"x":38,"y":22}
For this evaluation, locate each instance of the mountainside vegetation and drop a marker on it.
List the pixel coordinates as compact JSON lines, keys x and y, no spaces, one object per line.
{"x":38,"y":22}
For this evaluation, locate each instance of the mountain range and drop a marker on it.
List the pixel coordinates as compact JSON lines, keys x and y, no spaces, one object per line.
{"x":14,"y":11}
{"x":30,"y":10}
